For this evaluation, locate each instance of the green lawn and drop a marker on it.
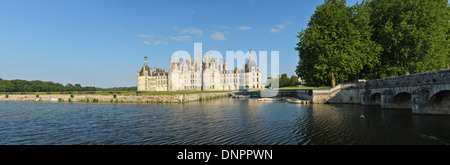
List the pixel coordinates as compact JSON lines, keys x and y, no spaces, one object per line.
{"x":116,"y":93}
{"x":297,"y":88}
{"x":172,"y":92}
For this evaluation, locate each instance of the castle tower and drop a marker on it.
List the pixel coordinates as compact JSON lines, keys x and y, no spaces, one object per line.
{"x":225,"y":65}
{"x":251,"y":54}
{"x":199,"y":57}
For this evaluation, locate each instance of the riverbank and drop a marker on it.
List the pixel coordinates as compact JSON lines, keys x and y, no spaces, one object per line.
{"x":122,"y":98}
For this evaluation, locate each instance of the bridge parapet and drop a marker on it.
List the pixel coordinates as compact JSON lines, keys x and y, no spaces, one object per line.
{"x":427,"y":78}
{"x":423,"y":93}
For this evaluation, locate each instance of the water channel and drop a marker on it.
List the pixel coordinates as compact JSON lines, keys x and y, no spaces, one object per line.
{"x":223,"y":121}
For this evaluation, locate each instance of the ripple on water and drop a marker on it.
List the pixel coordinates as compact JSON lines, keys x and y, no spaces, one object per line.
{"x":220,"y":121}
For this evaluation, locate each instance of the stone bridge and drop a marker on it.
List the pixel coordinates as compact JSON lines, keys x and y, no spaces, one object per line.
{"x":423,"y":93}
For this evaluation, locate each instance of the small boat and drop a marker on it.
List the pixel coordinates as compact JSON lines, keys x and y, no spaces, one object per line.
{"x":294,"y":101}
{"x":269,"y":99}
{"x":241,"y":96}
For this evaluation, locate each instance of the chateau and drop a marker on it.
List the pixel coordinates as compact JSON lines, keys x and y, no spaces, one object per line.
{"x":205,"y":74}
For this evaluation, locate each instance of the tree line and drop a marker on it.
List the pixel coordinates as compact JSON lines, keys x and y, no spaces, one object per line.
{"x":48,"y":86}
{"x":283,"y":81}
{"x":373,"y":39}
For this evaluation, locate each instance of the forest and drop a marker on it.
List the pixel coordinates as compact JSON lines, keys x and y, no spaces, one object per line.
{"x":48,"y":86}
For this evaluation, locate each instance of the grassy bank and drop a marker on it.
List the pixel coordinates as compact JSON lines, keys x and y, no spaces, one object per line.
{"x":114,"y":93}
{"x":299,"y":88}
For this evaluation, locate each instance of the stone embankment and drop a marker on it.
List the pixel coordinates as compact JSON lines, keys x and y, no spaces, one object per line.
{"x":169,"y":98}
{"x":342,"y":93}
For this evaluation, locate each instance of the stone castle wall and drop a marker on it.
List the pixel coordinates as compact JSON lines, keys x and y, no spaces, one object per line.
{"x":170,"y":98}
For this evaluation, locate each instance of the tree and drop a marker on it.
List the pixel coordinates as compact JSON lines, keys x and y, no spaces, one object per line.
{"x":69,"y":87}
{"x":284,"y":80}
{"x":448,"y":38}
{"x":272,"y":82}
{"x":336,"y":45}
{"x":414,"y":35}
{"x":293,"y":81}
{"x":5,"y":85}
{"x":77,"y":87}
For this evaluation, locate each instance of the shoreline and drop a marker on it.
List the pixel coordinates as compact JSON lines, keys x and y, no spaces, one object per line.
{"x":95,"y":98}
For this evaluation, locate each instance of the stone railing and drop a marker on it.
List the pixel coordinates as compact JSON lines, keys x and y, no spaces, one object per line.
{"x":337,"y":88}
{"x":434,"y":77}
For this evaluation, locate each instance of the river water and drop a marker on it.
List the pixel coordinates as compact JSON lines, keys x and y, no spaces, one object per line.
{"x":224,"y":121}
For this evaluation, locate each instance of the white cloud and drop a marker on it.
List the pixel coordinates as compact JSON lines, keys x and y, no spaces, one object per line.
{"x":157,"y":42}
{"x":160,"y":42}
{"x":218,"y":36}
{"x":145,"y":35}
{"x":224,"y":27}
{"x":180,"y":38}
{"x":278,"y":28}
{"x":191,"y":30}
{"x":244,"y":28}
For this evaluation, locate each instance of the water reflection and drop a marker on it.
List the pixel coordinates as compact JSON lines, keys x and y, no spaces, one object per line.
{"x":220,"y":122}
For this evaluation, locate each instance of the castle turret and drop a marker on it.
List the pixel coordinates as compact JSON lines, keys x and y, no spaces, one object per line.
{"x":144,"y":69}
{"x":146,"y":61}
{"x":199,"y":57}
{"x":175,"y":58}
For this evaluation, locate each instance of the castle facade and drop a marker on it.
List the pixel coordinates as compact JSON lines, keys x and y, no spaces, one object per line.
{"x":207,"y":74}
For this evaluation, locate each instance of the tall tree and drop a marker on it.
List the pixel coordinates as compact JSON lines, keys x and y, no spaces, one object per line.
{"x":5,"y":85}
{"x":293,"y":81}
{"x":448,"y":37}
{"x":336,"y":45}
{"x":414,"y":35}
{"x":284,"y":80}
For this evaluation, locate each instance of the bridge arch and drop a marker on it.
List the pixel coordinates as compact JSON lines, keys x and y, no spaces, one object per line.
{"x":440,"y":100}
{"x":375,"y":99}
{"x":402,"y":100}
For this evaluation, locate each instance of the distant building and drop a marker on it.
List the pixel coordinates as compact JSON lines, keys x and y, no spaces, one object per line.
{"x":300,"y":80}
{"x":202,"y":75}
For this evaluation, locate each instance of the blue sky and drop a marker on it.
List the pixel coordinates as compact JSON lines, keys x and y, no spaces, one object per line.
{"x":102,"y":42}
